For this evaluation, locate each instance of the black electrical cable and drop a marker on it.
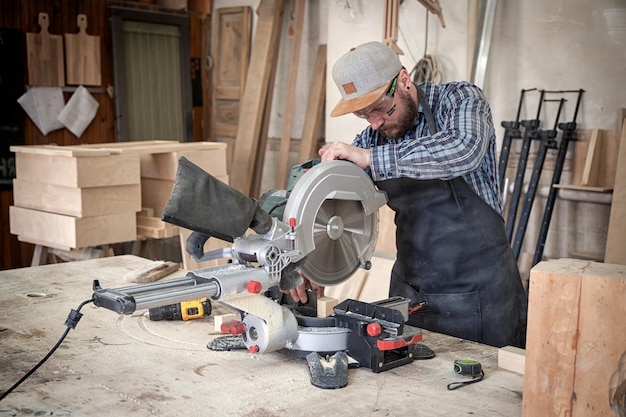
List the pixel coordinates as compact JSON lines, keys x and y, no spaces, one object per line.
{"x":71,"y":322}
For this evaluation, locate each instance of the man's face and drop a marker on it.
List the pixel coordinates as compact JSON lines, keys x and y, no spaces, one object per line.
{"x":401,"y":120}
{"x":391,"y":115}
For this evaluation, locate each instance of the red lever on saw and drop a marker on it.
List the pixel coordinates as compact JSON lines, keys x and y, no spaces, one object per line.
{"x":233,"y":327}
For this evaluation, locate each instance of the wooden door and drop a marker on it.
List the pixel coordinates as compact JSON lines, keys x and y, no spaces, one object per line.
{"x":230,"y":52}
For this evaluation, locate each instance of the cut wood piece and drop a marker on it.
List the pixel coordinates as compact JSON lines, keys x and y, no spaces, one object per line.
{"x":553,"y":313}
{"x":211,"y":158}
{"x":151,"y":272}
{"x":230,"y":46}
{"x":386,"y":242}
{"x":82,"y":56}
{"x":512,"y":359}
{"x":77,"y":202}
{"x":601,"y":337}
{"x":314,"y":108}
{"x":72,"y":171}
{"x":60,"y":231}
{"x":297,"y":21}
{"x":45,"y":56}
{"x":615,"y":251}
{"x":325,"y":306}
{"x":262,"y":63}
{"x":590,"y":172}
{"x":574,"y":339}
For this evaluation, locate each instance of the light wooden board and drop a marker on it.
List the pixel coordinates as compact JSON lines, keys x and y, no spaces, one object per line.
{"x":262,"y":59}
{"x":77,"y":202}
{"x":230,"y":46}
{"x":512,"y":359}
{"x":92,"y":171}
{"x":295,"y":30}
{"x":82,"y":56}
{"x":45,"y":56}
{"x":315,"y":108}
{"x":615,"y":251}
{"x":60,"y":231}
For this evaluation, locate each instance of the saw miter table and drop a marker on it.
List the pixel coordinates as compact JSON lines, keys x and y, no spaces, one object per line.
{"x":328,"y":230}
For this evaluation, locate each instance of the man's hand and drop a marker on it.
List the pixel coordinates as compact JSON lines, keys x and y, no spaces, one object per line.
{"x":299,"y":293}
{"x":340,"y":150}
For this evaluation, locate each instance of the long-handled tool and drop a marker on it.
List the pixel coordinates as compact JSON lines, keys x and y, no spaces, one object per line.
{"x":568,"y":135}
{"x":547,"y":141}
{"x":530,"y":133}
{"x":511,"y":131}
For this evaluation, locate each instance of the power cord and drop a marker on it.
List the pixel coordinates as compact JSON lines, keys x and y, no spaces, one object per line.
{"x":71,"y":322}
{"x":427,"y":68}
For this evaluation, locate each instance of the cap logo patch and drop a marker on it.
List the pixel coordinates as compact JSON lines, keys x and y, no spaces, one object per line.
{"x":349,"y":88}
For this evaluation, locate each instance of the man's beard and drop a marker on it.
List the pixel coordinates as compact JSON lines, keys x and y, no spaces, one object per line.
{"x":405,"y":120}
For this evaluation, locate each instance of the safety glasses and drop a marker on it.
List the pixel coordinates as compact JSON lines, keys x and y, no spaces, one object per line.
{"x":383,"y":106}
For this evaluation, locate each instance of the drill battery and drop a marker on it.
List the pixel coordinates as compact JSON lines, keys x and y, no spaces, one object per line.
{"x":186,"y":310}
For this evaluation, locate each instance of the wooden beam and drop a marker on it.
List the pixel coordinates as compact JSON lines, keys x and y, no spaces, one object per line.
{"x":297,"y":21}
{"x":314,"y":108}
{"x":615,"y":251}
{"x":264,"y":48}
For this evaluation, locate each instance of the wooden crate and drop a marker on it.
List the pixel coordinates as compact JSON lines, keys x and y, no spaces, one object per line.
{"x":75,"y":201}
{"x":75,"y":166}
{"x":67,"y":232}
{"x":575,"y":337}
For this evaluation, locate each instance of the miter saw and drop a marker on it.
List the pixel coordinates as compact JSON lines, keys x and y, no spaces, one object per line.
{"x":328,"y":230}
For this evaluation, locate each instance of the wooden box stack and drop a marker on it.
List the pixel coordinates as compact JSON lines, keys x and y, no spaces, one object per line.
{"x":576,"y":340}
{"x":73,"y":197}
{"x":158,"y":166}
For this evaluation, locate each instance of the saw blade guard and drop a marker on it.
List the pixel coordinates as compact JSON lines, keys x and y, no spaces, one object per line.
{"x":335,"y":210}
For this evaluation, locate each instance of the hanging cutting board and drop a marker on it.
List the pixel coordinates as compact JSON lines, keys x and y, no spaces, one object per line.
{"x":45,"y":56}
{"x":82,"y":56}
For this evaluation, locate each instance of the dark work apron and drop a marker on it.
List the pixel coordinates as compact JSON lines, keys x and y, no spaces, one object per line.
{"x":452,"y":253}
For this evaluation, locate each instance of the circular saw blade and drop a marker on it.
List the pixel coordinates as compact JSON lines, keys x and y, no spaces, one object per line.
{"x":335,"y":208}
{"x":341,"y":229}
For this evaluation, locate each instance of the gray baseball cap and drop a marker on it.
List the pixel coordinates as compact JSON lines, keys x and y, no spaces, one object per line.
{"x":362,"y":75}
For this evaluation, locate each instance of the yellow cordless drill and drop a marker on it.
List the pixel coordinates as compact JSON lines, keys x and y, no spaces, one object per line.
{"x":185,"y":310}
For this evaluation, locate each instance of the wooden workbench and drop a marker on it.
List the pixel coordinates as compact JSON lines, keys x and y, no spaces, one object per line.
{"x":131,"y":366}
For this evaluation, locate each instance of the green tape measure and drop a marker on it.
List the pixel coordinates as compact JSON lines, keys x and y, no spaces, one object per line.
{"x":467,"y":367}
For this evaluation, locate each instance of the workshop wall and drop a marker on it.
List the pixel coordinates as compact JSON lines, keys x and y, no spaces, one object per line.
{"x":535,"y":44}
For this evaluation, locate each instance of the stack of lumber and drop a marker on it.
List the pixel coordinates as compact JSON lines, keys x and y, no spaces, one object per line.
{"x":72,"y":197}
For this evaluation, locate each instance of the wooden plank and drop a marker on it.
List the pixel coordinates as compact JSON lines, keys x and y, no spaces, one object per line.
{"x":386,"y":242}
{"x":553,"y":313}
{"x":77,"y":202}
{"x":295,"y":28}
{"x":512,"y":359}
{"x":99,"y":171}
{"x":230,"y":50}
{"x":615,"y":251}
{"x":60,"y":231}
{"x":590,"y":171}
{"x":264,"y":48}
{"x":314,"y":108}
{"x":601,"y":338}
{"x":67,"y":151}
{"x":164,"y":165}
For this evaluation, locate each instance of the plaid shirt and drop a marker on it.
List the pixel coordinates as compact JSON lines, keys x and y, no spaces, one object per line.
{"x":465,"y":144}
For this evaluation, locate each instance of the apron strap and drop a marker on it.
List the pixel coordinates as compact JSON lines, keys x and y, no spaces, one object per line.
{"x":432,"y":126}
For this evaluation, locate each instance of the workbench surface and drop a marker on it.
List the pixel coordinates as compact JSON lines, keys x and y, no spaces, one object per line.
{"x":131,"y":366}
